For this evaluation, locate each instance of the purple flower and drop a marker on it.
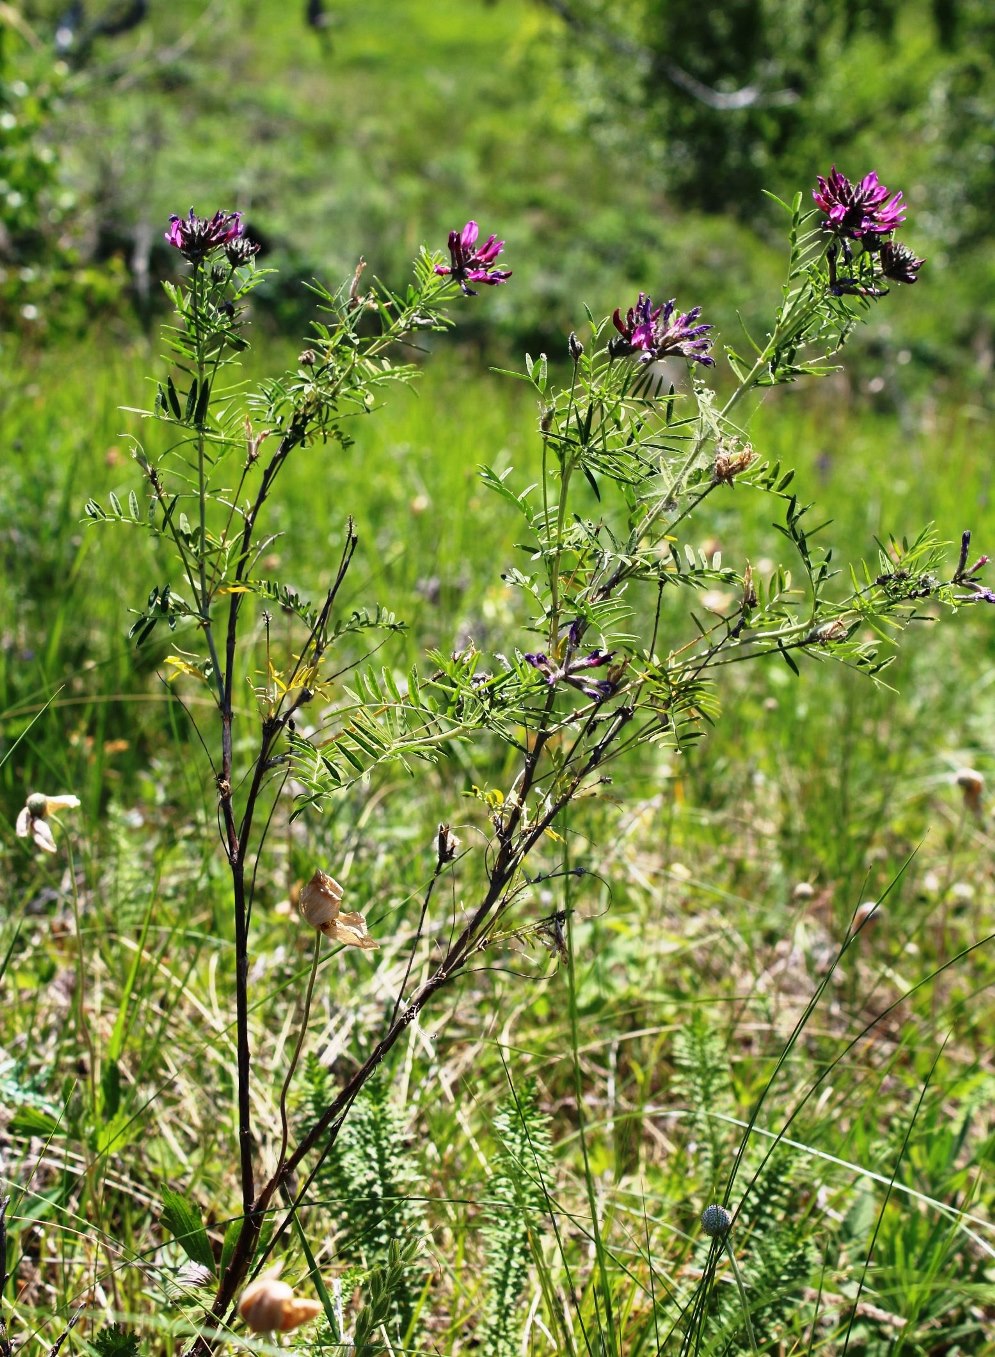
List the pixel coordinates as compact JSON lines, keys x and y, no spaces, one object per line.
{"x":658,"y":332}
{"x":196,"y":237}
{"x":470,"y":264}
{"x":899,"y":263}
{"x":858,"y":211}
{"x":569,"y":671}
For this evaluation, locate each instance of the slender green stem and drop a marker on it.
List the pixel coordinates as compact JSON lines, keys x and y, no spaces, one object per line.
{"x":744,"y":1299}
{"x":607,"y":1329}
{"x":80,"y":996}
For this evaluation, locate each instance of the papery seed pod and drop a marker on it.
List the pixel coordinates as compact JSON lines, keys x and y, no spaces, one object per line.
{"x":716,"y":1221}
{"x":31,"y":819}
{"x":319,"y":904}
{"x":354,"y":285}
{"x":972,"y":784}
{"x":270,"y":1306}
{"x":320,"y":900}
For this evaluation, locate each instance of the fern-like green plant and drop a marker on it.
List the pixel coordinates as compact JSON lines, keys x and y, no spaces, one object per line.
{"x":371,"y":1182}
{"x":702,"y":1082}
{"x":516,"y":1207}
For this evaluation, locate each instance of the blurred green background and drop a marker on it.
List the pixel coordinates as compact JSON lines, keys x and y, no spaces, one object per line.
{"x":615,"y":145}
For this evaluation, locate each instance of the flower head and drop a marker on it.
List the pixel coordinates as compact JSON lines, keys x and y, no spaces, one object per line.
{"x":471,"y":264}
{"x":657,"y":332}
{"x":716,"y":1221}
{"x":195,"y":237}
{"x":32,"y":819}
{"x":571,"y":667}
{"x":858,"y":211}
{"x":899,"y":263}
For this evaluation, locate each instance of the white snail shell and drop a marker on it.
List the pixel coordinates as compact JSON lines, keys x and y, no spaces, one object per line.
{"x":270,"y":1306}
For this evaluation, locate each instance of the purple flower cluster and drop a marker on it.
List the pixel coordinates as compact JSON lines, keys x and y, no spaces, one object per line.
{"x":656,"y":332}
{"x":196,"y":237}
{"x":471,"y":264}
{"x":571,"y":668}
{"x":858,"y":210}
{"x":864,"y":212}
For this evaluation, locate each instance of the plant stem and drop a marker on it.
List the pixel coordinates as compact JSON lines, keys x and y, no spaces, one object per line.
{"x":744,"y":1299}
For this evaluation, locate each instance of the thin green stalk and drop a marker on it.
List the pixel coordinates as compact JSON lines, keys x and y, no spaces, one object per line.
{"x":744,"y":1299}
{"x":80,"y":995}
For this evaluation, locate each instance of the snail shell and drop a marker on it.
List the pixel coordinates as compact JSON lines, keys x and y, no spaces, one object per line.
{"x":270,"y":1306}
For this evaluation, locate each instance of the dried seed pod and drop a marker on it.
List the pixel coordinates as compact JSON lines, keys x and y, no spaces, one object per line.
{"x":31,"y":820}
{"x":320,"y":902}
{"x":447,"y":845}
{"x":320,"y":899}
{"x":270,"y":1306}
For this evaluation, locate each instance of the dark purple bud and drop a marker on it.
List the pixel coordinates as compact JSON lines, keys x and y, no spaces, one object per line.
{"x":594,"y":660}
{"x":965,"y":547}
{"x":899,"y":263}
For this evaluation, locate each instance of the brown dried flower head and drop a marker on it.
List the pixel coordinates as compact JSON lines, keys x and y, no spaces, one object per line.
{"x":730,"y":460}
{"x":320,"y":904}
{"x":270,"y":1306}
